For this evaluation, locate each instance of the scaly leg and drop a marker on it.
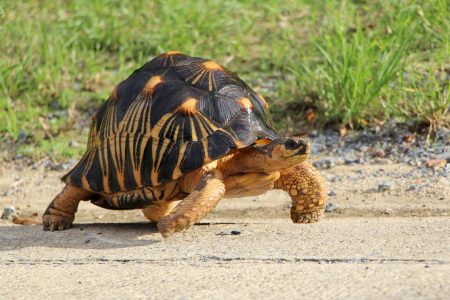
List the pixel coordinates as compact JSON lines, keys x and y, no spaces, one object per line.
{"x":207,"y":193}
{"x":249,"y":184}
{"x":307,"y":190}
{"x":60,"y":214}
{"x":157,"y":211}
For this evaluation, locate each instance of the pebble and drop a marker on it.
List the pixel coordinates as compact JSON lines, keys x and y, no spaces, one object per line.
{"x":386,"y":185}
{"x":352,"y":159}
{"x":331,"y":194}
{"x":8,"y":211}
{"x":444,"y":156}
{"x":379,"y":153}
{"x":330,"y":207}
{"x":230,"y":232}
{"x":325,"y":163}
{"x":443,"y":134}
{"x":22,"y":137}
{"x":8,"y":193}
{"x":333,"y":178}
{"x":413,"y":187}
{"x":447,"y":169}
{"x":60,"y":166}
{"x":74,"y":144}
{"x":382,"y":161}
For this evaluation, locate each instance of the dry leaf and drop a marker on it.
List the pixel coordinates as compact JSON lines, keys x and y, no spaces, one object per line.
{"x":25,"y":221}
{"x":310,"y":115}
{"x":436,"y":163}
{"x":45,"y":127}
{"x":408,"y":138}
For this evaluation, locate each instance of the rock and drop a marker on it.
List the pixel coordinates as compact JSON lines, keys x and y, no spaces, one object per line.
{"x":447,"y":169}
{"x":443,"y":134}
{"x":351,"y":159}
{"x":363,"y":148}
{"x":74,"y":144}
{"x":230,"y":232}
{"x":386,"y":185}
{"x":8,"y":193}
{"x":379,"y":153}
{"x":61,"y":166}
{"x":22,"y":137}
{"x":333,"y":178}
{"x":325,"y":163}
{"x":413,"y":187}
{"x":331,"y":194}
{"x":8,"y":212}
{"x":317,"y":148}
{"x":443,"y":156}
{"x":382,"y":161}
{"x":330,"y":207}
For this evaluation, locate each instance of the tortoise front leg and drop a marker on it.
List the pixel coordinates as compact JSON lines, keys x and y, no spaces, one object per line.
{"x":207,"y":193}
{"x":307,"y":190}
{"x":249,"y":184}
{"x":60,"y":214}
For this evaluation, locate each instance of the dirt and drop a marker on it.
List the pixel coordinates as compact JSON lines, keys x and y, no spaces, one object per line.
{"x":387,"y":236}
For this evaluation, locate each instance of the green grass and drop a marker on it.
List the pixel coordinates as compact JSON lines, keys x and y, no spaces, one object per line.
{"x":351,"y":63}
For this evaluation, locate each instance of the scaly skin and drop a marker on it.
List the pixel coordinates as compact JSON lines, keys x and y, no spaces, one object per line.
{"x":307,"y":190}
{"x":298,"y":177}
{"x":209,"y":191}
{"x":249,"y":184}
{"x":157,"y":211}
{"x":60,"y":214}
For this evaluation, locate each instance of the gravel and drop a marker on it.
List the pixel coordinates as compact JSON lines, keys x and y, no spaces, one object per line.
{"x":386,"y":185}
{"x":391,"y":143}
{"x":8,"y":212}
{"x":330,"y":207}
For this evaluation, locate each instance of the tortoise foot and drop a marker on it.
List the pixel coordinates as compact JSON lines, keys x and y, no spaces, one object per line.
{"x":54,"y":219}
{"x":312,"y":216}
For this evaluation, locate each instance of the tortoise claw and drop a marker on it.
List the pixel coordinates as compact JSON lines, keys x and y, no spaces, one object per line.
{"x":307,"y":217}
{"x":54,"y":220}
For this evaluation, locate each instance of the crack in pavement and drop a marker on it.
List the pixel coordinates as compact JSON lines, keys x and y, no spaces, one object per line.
{"x":206,"y":259}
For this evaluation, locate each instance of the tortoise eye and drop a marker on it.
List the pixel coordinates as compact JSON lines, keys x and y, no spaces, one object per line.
{"x":290,"y":144}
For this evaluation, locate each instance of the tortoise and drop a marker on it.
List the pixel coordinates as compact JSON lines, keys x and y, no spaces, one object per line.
{"x":185,"y":128}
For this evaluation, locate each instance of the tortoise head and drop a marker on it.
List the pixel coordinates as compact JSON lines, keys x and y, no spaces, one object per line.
{"x":285,"y":152}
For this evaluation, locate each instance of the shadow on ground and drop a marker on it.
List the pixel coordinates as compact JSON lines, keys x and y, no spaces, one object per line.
{"x":80,"y":236}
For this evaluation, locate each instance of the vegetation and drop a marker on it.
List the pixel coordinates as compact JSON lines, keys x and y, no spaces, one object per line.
{"x":351,"y":63}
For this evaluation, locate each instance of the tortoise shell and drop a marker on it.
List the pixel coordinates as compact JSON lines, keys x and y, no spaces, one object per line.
{"x":171,"y":116}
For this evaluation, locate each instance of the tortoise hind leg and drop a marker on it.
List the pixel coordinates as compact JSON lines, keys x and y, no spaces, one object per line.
{"x":207,"y":193}
{"x":60,"y":213}
{"x":307,"y":190}
{"x":157,"y":211}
